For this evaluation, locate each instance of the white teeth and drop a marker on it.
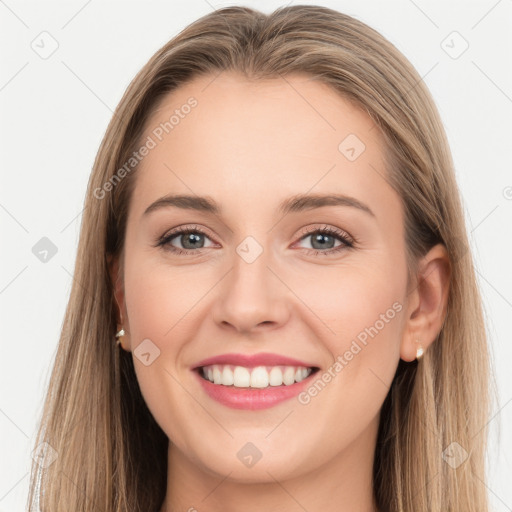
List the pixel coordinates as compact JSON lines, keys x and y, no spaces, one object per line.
{"x":241,"y":377}
{"x":289,"y":375}
{"x":227,"y":376}
{"x":275,"y":377}
{"x":257,"y":377}
{"x":217,"y":376}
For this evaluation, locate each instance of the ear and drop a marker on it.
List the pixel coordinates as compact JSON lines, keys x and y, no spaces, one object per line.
{"x":427,"y":302}
{"x":116,"y":278}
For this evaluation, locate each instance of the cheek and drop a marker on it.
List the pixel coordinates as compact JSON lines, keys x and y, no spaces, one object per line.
{"x":157,"y":301}
{"x":158,"y":297}
{"x":361,"y":312}
{"x":362,"y":307}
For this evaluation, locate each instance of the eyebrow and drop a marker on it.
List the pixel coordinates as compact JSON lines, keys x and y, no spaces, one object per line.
{"x":297,"y":203}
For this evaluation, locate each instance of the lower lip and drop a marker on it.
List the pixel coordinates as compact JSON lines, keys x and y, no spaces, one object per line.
{"x":252,"y":398}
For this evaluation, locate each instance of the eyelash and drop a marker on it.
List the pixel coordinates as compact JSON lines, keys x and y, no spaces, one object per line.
{"x":347,"y":242}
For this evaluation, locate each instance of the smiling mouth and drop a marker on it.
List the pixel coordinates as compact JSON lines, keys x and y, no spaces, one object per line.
{"x":254,"y":377}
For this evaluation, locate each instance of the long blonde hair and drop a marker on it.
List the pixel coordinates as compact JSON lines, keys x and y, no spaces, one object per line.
{"x":110,"y":453}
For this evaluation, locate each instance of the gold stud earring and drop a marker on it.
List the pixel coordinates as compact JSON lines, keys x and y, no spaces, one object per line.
{"x":119,"y":335}
{"x":419,"y":350}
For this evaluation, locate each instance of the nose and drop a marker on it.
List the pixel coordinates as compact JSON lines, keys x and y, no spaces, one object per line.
{"x":251,"y":297}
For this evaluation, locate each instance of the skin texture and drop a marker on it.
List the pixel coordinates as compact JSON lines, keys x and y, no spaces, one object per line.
{"x":250,"y":145}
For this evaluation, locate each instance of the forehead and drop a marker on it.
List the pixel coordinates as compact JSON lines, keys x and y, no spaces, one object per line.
{"x":241,"y":140}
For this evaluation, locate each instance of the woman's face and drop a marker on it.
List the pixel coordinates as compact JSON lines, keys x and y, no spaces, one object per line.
{"x":258,"y":162}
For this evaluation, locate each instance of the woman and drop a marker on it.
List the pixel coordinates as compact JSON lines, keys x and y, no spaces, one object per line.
{"x":274,"y":306}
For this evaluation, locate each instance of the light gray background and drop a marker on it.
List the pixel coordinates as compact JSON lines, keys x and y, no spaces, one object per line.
{"x":54,"y":112}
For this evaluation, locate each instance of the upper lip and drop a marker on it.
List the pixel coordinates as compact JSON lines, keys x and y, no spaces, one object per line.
{"x":250,"y":360}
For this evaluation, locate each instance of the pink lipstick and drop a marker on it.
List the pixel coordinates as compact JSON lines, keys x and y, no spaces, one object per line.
{"x":253,"y":381}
